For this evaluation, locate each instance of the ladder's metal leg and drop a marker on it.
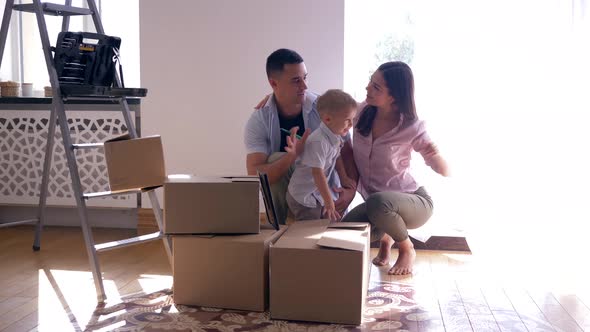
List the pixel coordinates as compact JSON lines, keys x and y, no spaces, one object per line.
{"x":59,"y":109}
{"x":5,"y":24}
{"x":45,"y":179}
{"x":127,"y":117}
{"x":159,"y":220}
{"x":152,"y":193}
{"x":95,"y":16}
{"x":82,"y":212}
{"x":81,"y":203}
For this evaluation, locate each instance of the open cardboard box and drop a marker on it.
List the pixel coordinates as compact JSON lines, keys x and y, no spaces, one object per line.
{"x":223,"y":271}
{"x":320,"y":272}
{"x":134,"y":163}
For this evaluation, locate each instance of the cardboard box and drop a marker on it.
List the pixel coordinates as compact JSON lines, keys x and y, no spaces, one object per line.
{"x":223,"y":271}
{"x":135,"y":163}
{"x":320,"y":273}
{"x":211,"y":205}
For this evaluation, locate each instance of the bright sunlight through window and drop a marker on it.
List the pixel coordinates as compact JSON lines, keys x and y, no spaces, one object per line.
{"x":503,"y":88}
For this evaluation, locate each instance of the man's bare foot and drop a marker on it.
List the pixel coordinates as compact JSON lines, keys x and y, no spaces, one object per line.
{"x":384,"y":254}
{"x":405,"y":260}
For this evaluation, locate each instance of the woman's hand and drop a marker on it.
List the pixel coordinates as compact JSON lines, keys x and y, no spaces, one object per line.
{"x":435,"y":160}
{"x":440,"y":166}
{"x":348,"y":182}
{"x":431,"y":149}
{"x":345,"y":197}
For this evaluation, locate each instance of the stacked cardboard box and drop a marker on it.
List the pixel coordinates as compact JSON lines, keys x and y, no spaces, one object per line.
{"x":310,"y":271}
{"x":224,"y":271}
{"x":211,"y":205}
{"x":221,"y":254}
{"x":320,"y":272}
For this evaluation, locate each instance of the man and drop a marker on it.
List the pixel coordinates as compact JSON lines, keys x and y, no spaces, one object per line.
{"x":293,"y":109}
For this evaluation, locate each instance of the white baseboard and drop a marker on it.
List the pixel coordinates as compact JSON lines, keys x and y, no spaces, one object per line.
{"x":68,"y":216}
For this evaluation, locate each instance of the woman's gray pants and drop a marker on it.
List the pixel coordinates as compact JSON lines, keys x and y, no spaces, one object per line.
{"x":393,"y":213}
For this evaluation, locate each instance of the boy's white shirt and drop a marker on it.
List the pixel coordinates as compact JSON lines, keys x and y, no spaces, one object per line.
{"x":322,"y":148}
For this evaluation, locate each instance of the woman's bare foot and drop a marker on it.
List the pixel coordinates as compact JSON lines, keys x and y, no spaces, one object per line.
{"x":384,"y":254}
{"x":405,"y":260}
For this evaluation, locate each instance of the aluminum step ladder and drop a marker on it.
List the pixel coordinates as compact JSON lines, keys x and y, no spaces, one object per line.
{"x":58,"y":115}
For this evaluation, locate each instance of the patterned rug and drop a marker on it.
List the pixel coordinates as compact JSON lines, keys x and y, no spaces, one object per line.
{"x":390,"y":306}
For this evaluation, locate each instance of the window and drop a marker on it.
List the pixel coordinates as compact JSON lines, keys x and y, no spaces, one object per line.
{"x":23,"y":57}
{"x":503,"y":89}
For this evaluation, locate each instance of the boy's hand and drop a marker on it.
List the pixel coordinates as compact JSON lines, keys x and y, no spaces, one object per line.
{"x":330,"y":212}
{"x":295,"y":146}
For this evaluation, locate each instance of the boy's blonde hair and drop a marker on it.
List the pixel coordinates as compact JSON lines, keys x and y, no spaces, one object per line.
{"x":334,"y":101}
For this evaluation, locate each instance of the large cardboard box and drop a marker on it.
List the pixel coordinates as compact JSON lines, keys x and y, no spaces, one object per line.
{"x":320,"y":272}
{"x":135,"y":163}
{"x":211,"y":205}
{"x":223,"y":271}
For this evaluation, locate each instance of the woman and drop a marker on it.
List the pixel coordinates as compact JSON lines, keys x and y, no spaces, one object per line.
{"x":386,"y":131}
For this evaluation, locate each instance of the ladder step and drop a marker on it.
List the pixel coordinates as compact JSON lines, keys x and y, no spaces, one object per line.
{"x":111,"y":193}
{"x":87,"y":145}
{"x":82,"y":90}
{"x":54,"y":9}
{"x":20,"y":222}
{"x":128,"y":242}
{"x":113,"y":100}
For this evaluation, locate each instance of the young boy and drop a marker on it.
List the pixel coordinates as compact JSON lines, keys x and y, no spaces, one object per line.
{"x":308,"y":195}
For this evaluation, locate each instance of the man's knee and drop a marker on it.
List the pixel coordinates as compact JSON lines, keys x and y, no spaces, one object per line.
{"x":276,"y":156}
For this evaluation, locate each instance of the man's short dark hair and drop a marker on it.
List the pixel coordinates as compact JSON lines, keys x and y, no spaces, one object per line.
{"x":279,"y":58}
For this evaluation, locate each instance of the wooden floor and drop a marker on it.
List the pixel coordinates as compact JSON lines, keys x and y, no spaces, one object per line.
{"x":52,"y":290}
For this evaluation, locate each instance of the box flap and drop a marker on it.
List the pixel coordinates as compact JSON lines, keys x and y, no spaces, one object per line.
{"x":313,"y":234}
{"x":264,"y":236}
{"x":200,"y":236}
{"x":204,"y":236}
{"x":343,"y":239}
{"x":128,"y":137}
{"x":190,"y":178}
{"x":242,"y":178}
{"x":303,"y":234}
{"x":178,"y":176}
{"x":349,"y":225}
{"x":119,"y":138}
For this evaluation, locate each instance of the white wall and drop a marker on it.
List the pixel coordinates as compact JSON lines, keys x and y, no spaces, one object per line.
{"x":204,"y":65}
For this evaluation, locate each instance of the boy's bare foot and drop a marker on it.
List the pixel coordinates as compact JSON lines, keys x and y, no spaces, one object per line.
{"x":405,"y":260}
{"x":384,"y":254}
